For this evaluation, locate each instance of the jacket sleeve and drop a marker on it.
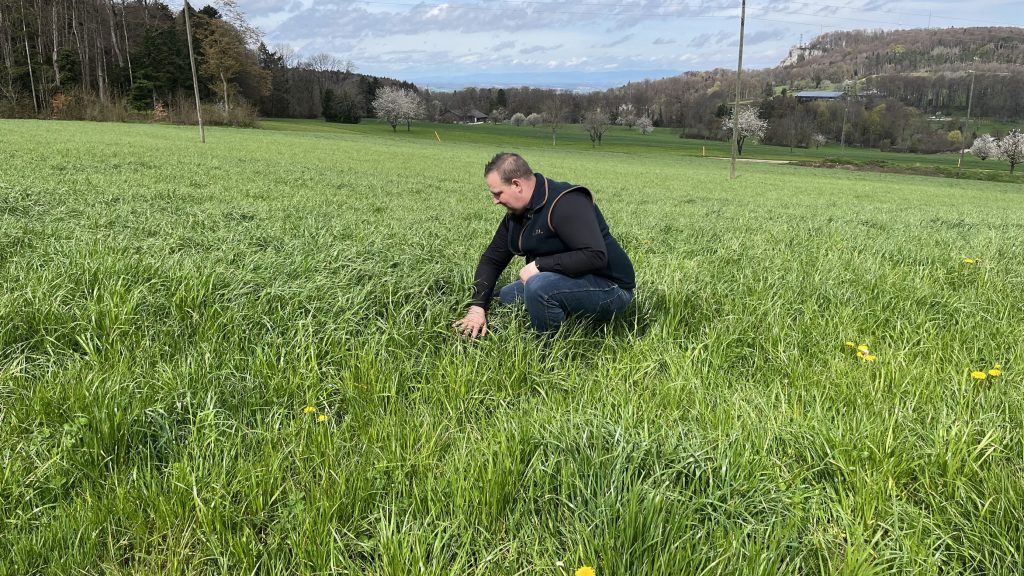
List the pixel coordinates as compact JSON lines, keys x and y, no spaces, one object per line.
{"x":574,"y":219}
{"x":492,"y":263}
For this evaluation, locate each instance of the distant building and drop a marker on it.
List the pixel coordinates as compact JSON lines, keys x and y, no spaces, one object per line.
{"x":809,"y":95}
{"x":473,"y":116}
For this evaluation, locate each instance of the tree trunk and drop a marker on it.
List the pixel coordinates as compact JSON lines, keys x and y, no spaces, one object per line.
{"x":28,"y":58}
{"x":7,"y":53}
{"x":56,"y":67}
{"x":225,"y":83}
{"x":78,"y":44}
{"x":113,"y":33}
{"x":127,"y":48}
{"x":101,"y":71}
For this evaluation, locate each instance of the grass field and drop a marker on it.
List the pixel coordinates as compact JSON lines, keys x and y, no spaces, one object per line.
{"x":622,"y":140}
{"x":238,"y":358}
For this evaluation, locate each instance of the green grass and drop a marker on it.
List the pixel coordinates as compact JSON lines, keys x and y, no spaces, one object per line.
{"x":168,"y":309}
{"x":661,"y":142}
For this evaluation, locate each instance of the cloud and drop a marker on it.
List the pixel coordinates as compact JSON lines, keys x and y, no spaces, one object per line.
{"x":504,"y":46}
{"x":770,"y":35}
{"x":713,"y":39}
{"x":351,"y":19}
{"x":615,"y":42}
{"x":662,"y":41}
{"x":535,"y":49}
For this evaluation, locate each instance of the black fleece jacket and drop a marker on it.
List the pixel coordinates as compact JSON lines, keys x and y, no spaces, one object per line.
{"x":563,"y":231}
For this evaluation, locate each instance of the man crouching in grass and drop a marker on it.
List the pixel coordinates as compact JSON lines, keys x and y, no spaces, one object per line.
{"x":574,"y":266}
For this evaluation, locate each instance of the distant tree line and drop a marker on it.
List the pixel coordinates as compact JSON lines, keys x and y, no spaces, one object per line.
{"x":104,"y":59}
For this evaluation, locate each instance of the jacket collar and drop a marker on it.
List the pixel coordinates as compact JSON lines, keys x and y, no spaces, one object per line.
{"x":540,"y":194}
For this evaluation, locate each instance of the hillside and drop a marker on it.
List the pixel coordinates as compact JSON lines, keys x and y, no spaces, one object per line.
{"x":924,"y":68}
{"x":860,"y":53}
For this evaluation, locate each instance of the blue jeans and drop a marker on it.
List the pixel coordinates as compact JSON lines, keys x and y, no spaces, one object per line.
{"x":551,"y":297}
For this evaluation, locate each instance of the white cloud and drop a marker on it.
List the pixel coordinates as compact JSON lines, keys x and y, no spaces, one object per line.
{"x":452,"y":36}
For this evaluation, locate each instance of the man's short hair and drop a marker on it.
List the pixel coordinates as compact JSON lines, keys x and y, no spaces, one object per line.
{"x":508,"y":165}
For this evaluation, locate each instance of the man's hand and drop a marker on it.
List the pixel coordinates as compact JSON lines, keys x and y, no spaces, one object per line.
{"x":528,"y":272}
{"x":473,"y":324}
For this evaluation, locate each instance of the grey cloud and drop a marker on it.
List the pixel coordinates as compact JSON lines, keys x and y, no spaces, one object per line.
{"x":256,"y":8}
{"x":346,"y":18}
{"x":535,"y":49}
{"x":504,"y":46}
{"x":629,"y":14}
{"x":712,"y":39}
{"x":766,"y":36}
{"x":662,"y":41}
{"x":615,"y":42}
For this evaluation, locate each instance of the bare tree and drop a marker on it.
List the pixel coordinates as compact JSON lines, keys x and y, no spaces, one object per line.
{"x":596,"y":123}
{"x":225,"y":56}
{"x":322,"y":63}
{"x":554,"y":115}
{"x":288,"y":54}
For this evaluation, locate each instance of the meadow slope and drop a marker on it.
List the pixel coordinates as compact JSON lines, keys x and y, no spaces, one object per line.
{"x":238,"y":358}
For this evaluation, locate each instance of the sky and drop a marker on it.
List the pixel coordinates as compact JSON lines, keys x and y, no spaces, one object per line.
{"x":583,"y":45}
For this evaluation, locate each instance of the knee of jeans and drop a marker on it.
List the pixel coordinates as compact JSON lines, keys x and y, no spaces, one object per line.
{"x":508,"y":294}
{"x":538,"y":286}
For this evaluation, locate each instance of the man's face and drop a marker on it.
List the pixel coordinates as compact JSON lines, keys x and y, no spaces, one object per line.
{"x":512,"y":196}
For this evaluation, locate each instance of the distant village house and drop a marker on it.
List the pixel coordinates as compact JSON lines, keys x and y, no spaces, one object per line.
{"x":473,"y":116}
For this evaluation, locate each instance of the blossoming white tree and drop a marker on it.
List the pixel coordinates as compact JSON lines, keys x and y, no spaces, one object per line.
{"x":518,"y":119}
{"x":749,"y":125}
{"x":645,"y":125}
{"x":1011,"y":148}
{"x":626,"y":115}
{"x":984,"y":147}
{"x":394,"y":105}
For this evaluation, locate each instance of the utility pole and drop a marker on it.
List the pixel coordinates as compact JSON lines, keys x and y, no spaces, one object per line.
{"x":846,"y":109}
{"x":963,"y":133}
{"x":195,"y":79}
{"x":736,"y":108}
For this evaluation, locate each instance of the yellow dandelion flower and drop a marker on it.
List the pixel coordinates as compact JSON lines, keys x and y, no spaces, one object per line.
{"x":309,"y":410}
{"x":995,"y":372}
{"x":968,"y":260}
{"x":863,"y":348}
{"x":978,"y":375}
{"x":861,"y":354}
{"x":586,"y":571}
{"x":321,"y":418}
{"x":850,"y":344}
{"x":998,"y":366}
{"x":869,"y":358}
